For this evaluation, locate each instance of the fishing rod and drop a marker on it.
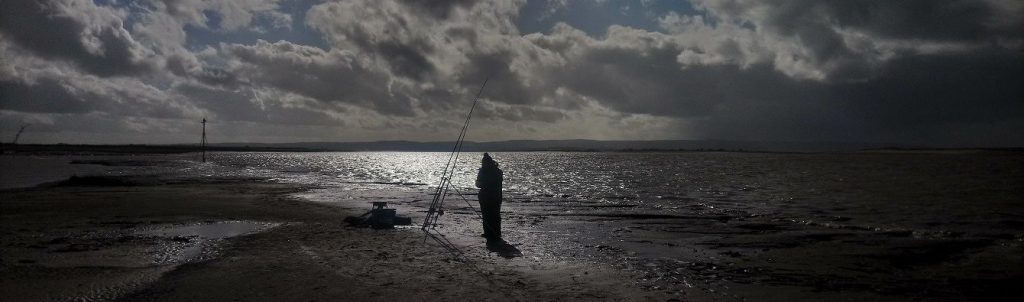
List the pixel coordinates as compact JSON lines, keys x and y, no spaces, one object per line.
{"x":435,"y":210}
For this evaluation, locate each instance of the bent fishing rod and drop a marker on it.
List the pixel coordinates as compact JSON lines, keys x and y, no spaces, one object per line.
{"x":435,"y":210}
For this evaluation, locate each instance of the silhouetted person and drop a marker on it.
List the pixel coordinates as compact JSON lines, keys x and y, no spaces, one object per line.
{"x":489,"y":181}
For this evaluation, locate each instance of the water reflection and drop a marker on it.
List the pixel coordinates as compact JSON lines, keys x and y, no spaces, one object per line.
{"x":880,"y":190}
{"x":821,"y":223}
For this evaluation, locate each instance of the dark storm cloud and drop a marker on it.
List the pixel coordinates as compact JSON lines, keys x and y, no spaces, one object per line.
{"x":437,"y":62}
{"x":224,"y":105}
{"x":520,"y":113}
{"x":848,"y":39}
{"x":407,"y":60}
{"x":892,"y":71}
{"x":934,"y":71}
{"x":651,"y":83}
{"x":89,"y":95}
{"x":914,"y":99}
{"x":92,"y":38}
{"x":45,"y":96}
{"x":331,"y":76}
{"x":807,"y":71}
{"x":503,"y":84}
{"x":941,"y":88}
{"x":956,"y":20}
{"x":397,"y":41}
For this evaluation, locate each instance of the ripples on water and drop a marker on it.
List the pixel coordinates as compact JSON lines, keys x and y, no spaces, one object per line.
{"x":878,"y":189}
{"x":894,"y":225}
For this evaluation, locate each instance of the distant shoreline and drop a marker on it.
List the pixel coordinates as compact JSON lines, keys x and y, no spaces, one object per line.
{"x":78,"y":149}
{"x":64,"y":149}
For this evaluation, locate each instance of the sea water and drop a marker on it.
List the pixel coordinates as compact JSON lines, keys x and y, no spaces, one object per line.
{"x":763,"y":226}
{"x":961,"y":192}
{"x":823,"y":226}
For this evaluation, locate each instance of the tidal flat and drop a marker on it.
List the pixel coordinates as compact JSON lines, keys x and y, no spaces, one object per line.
{"x":714,"y":226}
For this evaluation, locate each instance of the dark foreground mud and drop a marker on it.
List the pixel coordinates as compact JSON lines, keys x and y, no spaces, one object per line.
{"x":243,"y":239}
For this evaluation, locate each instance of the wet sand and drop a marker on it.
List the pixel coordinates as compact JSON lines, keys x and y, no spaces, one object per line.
{"x":147,"y":239}
{"x":704,"y":254}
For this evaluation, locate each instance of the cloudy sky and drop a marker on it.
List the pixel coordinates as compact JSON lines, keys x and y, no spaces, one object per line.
{"x":942,"y":73}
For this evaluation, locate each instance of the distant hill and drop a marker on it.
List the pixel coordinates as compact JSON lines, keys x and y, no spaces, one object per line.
{"x":579,"y":145}
{"x":572,"y":145}
{"x":132,"y":149}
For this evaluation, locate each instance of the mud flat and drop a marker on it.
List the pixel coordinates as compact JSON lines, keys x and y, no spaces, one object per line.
{"x":243,"y":233}
{"x":253,"y":240}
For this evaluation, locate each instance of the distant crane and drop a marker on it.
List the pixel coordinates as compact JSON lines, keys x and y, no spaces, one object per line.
{"x":202,"y":143}
{"x":16,"y":136}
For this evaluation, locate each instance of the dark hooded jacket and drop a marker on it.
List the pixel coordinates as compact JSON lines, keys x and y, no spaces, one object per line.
{"x":489,"y":178}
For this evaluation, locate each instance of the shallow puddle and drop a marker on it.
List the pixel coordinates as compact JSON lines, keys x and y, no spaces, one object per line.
{"x":197,"y":242}
{"x":217,"y":230}
{"x":106,"y":264}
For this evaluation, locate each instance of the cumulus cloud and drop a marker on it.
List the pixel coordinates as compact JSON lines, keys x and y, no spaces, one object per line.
{"x":328,"y":76}
{"x":77,"y":31}
{"x":839,"y":40}
{"x":929,"y":71}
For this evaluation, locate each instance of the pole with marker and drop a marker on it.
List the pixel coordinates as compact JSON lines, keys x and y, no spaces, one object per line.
{"x":203,"y":143}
